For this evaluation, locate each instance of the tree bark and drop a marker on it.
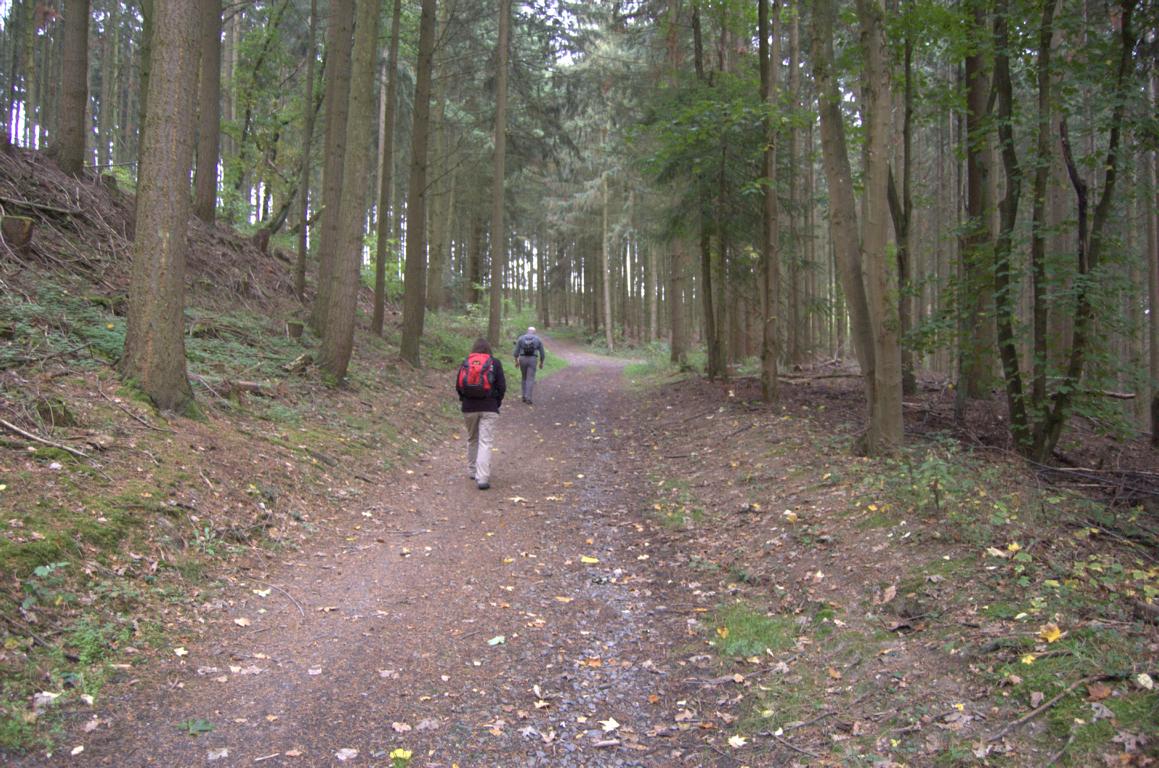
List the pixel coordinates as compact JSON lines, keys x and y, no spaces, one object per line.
{"x":338,"y":331}
{"x":605,"y":266}
{"x":1153,"y":268}
{"x":338,"y":50}
{"x":154,"y":353}
{"x":498,"y":234}
{"x":843,"y":209}
{"x":74,"y":92}
{"x":414,"y":289}
{"x":386,"y":172}
{"x":977,"y":325}
{"x":208,"y":113}
{"x":770,"y":240}
{"x":307,"y":151}
{"x":885,"y":432}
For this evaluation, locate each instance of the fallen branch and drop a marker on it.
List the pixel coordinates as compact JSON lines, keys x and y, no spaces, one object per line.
{"x":1050,"y":703}
{"x":39,"y":206}
{"x":43,"y":441}
{"x":287,"y":594}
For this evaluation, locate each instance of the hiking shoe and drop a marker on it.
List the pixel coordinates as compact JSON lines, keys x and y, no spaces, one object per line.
{"x":484,"y":486}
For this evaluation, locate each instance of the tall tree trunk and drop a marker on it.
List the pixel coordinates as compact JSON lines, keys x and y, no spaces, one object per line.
{"x":337,"y":99}
{"x":885,"y":426}
{"x":977,"y":327}
{"x":307,"y":153}
{"x":145,"y":51}
{"x":208,"y":113}
{"x":605,"y":267}
{"x":1038,"y":279}
{"x":843,"y":209}
{"x":799,"y":336}
{"x":154,"y":353}
{"x":499,"y":172}
{"x":74,"y":92}
{"x":338,"y":331}
{"x":1091,"y":239}
{"x":415,"y":282}
{"x":110,"y":53}
{"x":386,"y":171}
{"x":770,"y":255}
{"x":1153,"y":268}
{"x":1003,"y":288}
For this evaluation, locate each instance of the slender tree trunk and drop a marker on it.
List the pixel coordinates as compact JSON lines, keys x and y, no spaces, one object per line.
{"x":110,"y":53}
{"x":208,"y":113}
{"x":415,"y":284}
{"x":338,"y":331}
{"x":977,"y":327}
{"x":843,"y":210}
{"x":307,"y":160}
{"x":499,"y":172}
{"x":1003,"y":290}
{"x":885,"y":427}
{"x":337,"y":99}
{"x":1153,"y":269}
{"x":386,"y":172}
{"x":770,"y":256}
{"x":74,"y":92}
{"x":605,"y":267}
{"x":798,"y":337}
{"x":154,"y":353}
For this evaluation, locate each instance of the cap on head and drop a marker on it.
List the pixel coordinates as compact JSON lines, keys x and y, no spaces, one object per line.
{"x":531,"y":329}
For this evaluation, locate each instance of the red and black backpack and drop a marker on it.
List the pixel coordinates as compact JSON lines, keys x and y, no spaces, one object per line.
{"x":476,"y":375}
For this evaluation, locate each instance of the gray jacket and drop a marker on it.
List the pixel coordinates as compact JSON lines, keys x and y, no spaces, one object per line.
{"x":530,"y":341}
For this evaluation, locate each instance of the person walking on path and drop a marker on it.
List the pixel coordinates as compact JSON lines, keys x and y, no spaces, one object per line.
{"x":527,"y":348}
{"x":481,"y":386}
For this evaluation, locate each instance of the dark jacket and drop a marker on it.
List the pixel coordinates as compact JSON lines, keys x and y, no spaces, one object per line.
{"x":483,"y":404}
{"x":529,"y":341}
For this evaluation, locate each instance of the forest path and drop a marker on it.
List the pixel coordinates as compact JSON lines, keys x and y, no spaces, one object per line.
{"x":519,"y":626}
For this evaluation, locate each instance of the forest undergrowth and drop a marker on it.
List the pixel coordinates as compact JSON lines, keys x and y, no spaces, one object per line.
{"x":950,"y":605}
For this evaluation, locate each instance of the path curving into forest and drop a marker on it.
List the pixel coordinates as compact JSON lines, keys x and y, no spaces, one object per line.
{"x":519,"y":626}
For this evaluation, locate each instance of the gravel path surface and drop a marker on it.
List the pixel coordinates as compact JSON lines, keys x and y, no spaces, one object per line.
{"x":526,"y":625}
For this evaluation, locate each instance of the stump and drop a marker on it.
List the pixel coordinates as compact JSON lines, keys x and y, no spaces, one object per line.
{"x":17,"y":233}
{"x":294,"y":329}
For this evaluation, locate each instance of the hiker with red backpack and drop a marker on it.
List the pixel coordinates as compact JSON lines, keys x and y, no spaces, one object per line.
{"x":527,"y":347}
{"x":481,"y":387}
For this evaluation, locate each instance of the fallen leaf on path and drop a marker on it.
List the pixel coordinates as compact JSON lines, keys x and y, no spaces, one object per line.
{"x":516,"y":499}
{"x":400,"y":727}
{"x":346,"y":753}
{"x":1049,"y":632}
{"x":609,"y":725}
{"x":180,"y":651}
{"x":564,"y":599}
{"x":1144,"y":681}
{"x":80,"y":748}
{"x":1098,"y":691}
{"x":242,"y":622}
{"x":217,"y":754}
{"x":497,"y":640}
{"x":588,"y":559}
{"x":262,"y":592}
{"x":737,"y":741}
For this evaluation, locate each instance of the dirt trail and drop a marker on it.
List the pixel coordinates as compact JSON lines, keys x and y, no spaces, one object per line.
{"x":471,"y":627}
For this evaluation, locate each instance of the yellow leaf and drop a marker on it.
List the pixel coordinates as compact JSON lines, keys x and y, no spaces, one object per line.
{"x":872,"y":507}
{"x":589,"y":560}
{"x":1049,"y":632}
{"x":563,"y":599}
{"x":790,"y":515}
{"x":723,"y":632}
{"x":1013,"y":546}
{"x":1028,"y":659}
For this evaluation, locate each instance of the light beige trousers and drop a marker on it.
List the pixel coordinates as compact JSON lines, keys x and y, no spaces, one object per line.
{"x":480,"y":442}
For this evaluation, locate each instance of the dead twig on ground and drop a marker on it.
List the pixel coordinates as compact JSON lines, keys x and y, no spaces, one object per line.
{"x":287,"y":594}
{"x":130,"y":413}
{"x":1001,"y":732}
{"x":38,"y":439}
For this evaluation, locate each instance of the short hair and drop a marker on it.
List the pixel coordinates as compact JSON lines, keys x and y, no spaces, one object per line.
{"x":531,"y":329}
{"x":481,"y":345}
